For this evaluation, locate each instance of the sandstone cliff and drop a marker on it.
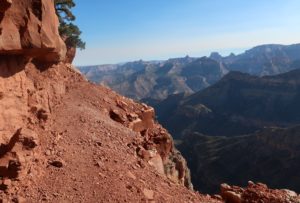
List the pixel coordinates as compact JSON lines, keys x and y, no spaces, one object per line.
{"x":29,"y":28}
{"x":28,"y":33}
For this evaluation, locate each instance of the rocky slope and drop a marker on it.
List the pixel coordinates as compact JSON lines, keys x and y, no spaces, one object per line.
{"x":71,"y":141}
{"x":64,"y":139}
{"x":270,"y":156}
{"x":53,"y":134}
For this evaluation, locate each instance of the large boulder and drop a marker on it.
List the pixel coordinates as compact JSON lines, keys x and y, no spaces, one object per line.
{"x":30,"y":27}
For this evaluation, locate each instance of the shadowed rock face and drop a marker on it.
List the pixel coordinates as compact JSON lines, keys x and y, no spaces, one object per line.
{"x":30,"y":28}
{"x":238,"y":104}
{"x":218,"y":130}
{"x":270,"y":156}
{"x":70,"y":55}
{"x":5,"y":4}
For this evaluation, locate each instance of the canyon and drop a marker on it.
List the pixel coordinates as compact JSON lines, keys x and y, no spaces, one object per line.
{"x":156,"y":80}
{"x":65,"y":139}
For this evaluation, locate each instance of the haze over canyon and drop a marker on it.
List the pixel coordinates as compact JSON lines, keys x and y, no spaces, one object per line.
{"x":197,"y":130}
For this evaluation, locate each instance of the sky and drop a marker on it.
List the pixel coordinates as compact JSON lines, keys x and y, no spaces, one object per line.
{"x":117,"y":31}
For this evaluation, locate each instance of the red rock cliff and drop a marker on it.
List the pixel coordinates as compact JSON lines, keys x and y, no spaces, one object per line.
{"x":30,"y":28}
{"x":32,"y":88}
{"x":28,"y":32}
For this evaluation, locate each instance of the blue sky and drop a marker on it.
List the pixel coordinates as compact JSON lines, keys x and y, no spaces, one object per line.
{"x":126,"y":30}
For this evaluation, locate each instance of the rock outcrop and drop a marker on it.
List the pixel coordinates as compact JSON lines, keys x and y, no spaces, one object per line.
{"x":29,"y":28}
{"x":155,"y":145}
{"x":70,"y":55}
{"x":28,"y":32}
{"x":257,"y":193}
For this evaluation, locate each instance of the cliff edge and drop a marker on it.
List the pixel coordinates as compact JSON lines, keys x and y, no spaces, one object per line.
{"x":64,"y":139}
{"x":47,"y":118}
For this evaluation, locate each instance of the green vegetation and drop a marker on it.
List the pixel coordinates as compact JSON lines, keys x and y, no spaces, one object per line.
{"x":68,"y":31}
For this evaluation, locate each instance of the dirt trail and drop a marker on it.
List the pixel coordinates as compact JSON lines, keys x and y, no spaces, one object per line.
{"x":85,"y":156}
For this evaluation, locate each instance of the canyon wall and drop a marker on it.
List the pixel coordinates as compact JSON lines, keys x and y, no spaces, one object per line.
{"x":64,"y":139}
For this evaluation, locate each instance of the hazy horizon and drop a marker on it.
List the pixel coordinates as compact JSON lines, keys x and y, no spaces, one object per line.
{"x":117,"y":31}
{"x":222,"y":53}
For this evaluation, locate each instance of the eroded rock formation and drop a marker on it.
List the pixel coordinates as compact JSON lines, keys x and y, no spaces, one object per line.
{"x":155,"y":145}
{"x":29,"y":28}
{"x":28,"y":33}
